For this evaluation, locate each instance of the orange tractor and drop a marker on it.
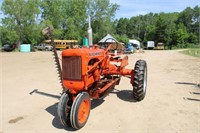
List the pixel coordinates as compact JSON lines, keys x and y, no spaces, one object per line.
{"x":90,"y":73}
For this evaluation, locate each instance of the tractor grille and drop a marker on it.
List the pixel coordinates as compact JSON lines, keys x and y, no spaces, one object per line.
{"x":71,"y":68}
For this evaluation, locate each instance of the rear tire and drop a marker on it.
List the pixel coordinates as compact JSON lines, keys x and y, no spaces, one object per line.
{"x":80,"y":110}
{"x":139,"y":80}
{"x":64,"y":109}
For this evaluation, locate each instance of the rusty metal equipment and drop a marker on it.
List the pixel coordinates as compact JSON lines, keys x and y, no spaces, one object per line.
{"x":91,"y":73}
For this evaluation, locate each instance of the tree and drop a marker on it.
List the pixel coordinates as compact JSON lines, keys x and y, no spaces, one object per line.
{"x":8,"y":36}
{"x":181,"y":36}
{"x":20,"y":14}
{"x":68,"y":17}
{"x":52,"y":15}
{"x":25,"y":19}
{"x":190,"y":19}
{"x":122,"y":38}
{"x":102,"y":14}
{"x":195,"y":26}
{"x":75,"y":16}
{"x":185,"y":17}
{"x":164,"y":27}
{"x":122,"y":25}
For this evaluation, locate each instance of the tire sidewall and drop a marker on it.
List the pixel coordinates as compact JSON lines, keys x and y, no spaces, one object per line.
{"x":75,"y":109}
{"x":63,"y":103}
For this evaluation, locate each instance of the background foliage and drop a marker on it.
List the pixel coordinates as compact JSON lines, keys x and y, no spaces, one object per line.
{"x":26,"y":18}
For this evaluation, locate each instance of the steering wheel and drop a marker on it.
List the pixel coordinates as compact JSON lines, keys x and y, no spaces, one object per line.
{"x":113,"y":40}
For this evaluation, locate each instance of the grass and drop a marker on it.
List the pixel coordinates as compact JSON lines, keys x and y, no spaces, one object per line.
{"x":192,"y":52}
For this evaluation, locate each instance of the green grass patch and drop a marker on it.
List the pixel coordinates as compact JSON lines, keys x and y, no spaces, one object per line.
{"x":192,"y":52}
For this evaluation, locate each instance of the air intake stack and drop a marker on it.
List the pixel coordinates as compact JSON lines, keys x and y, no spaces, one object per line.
{"x":89,"y":32}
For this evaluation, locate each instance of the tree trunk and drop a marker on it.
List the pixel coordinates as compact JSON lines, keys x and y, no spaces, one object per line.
{"x":19,"y":30}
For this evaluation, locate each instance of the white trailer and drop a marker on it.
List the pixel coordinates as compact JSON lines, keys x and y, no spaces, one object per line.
{"x":135,"y":43}
{"x":150,"y":45}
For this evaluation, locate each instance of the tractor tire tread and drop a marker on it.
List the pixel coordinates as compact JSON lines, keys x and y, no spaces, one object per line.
{"x":139,"y":72}
{"x":63,"y":105}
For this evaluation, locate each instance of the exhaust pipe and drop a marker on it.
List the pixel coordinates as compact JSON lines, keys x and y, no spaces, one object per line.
{"x":89,"y":32}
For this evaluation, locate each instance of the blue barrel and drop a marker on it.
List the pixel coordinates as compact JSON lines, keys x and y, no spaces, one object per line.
{"x":85,"y":42}
{"x":25,"y":48}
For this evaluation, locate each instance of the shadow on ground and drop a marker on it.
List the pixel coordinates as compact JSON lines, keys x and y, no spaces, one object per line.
{"x":191,"y":99}
{"x":44,"y":94}
{"x":187,"y":83}
{"x":125,"y":95}
{"x":196,"y":85}
{"x":56,"y":122}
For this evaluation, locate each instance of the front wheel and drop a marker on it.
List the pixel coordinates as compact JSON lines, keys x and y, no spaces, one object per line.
{"x":64,"y":109}
{"x":80,"y":110}
{"x":139,"y":78}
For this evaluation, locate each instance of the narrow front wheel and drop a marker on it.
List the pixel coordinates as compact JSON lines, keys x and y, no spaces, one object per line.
{"x":64,"y":109}
{"x":80,"y":110}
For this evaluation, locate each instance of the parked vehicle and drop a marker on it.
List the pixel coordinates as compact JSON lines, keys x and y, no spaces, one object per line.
{"x":160,"y":46}
{"x":129,"y":49}
{"x":44,"y":47}
{"x":135,"y":43}
{"x":63,"y":44}
{"x":150,"y":45}
{"x":9,"y":47}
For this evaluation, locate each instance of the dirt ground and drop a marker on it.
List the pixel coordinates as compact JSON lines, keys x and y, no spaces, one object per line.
{"x":30,"y":92}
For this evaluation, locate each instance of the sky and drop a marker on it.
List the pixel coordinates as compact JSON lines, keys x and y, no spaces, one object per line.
{"x":1,"y":14}
{"x":130,"y":8}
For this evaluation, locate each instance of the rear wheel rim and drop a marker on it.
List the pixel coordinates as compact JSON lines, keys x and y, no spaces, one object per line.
{"x":145,"y":79}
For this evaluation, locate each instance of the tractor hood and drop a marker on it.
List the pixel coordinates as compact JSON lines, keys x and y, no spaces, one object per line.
{"x":86,"y":52}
